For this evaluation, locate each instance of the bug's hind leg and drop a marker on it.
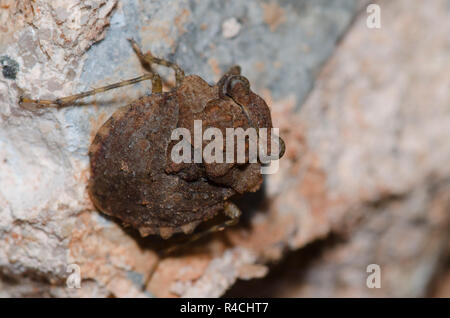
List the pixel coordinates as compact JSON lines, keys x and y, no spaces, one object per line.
{"x":230,"y":210}
{"x":154,"y":77}
{"x":147,"y":59}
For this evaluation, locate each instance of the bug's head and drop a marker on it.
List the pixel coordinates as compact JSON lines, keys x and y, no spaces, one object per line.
{"x":237,"y":87}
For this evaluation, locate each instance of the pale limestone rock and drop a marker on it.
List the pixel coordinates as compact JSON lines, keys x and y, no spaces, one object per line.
{"x":370,"y":172}
{"x":364,"y":154}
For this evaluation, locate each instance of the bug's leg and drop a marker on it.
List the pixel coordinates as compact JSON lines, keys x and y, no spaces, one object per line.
{"x":153,"y":270}
{"x":230,"y":210}
{"x":154,"y":77}
{"x":147,"y":59}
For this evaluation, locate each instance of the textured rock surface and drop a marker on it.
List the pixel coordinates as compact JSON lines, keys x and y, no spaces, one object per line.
{"x":376,"y":133}
{"x":367,"y":156}
{"x":47,"y":220}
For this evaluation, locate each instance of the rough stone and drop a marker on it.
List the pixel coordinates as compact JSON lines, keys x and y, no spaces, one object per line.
{"x":373,"y":159}
{"x":366,"y":156}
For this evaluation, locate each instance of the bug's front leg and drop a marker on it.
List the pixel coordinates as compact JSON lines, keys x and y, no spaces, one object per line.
{"x":147,"y":59}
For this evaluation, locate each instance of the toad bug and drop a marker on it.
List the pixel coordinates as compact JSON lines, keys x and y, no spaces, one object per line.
{"x":132,"y":175}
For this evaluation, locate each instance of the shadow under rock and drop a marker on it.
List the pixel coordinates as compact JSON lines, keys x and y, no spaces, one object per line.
{"x":291,"y":271}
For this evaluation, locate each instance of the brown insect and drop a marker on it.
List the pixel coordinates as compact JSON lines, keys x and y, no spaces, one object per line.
{"x":133,"y":176}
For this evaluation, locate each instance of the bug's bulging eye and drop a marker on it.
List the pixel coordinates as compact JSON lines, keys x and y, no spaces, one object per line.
{"x":282,"y":147}
{"x":235,"y":86}
{"x":238,"y":83}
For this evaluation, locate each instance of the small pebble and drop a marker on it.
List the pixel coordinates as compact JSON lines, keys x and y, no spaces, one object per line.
{"x":230,"y":28}
{"x":9,"y":67}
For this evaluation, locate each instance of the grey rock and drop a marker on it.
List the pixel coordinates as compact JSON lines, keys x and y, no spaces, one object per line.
{"x":47,"y":221}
